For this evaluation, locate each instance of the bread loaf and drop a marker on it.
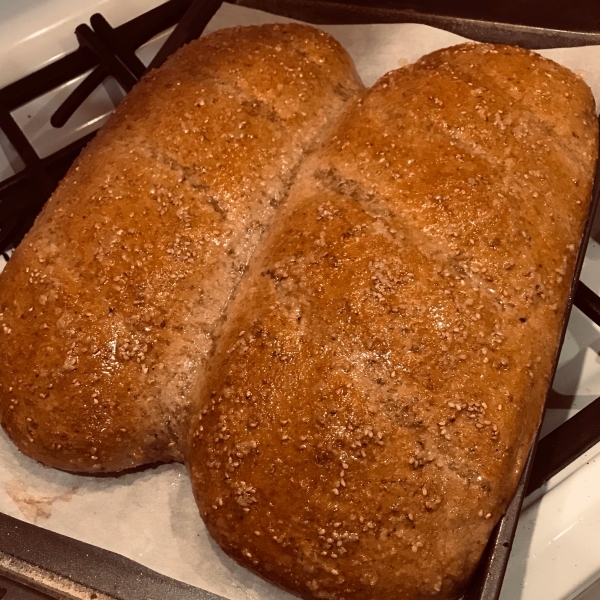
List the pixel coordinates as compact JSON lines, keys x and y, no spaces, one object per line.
{"x":109,"y":307}
{"x":384,"y":364}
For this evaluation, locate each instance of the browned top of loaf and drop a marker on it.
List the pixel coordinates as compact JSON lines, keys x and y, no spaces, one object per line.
{"x":385,"y":362}
{"x":109,"y":306}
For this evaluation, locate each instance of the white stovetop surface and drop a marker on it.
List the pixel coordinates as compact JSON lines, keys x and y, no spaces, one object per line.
{"x":37,"y":32}
{"x":556,"y":555}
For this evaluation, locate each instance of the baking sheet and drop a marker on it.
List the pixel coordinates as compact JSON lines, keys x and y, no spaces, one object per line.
{"x":150,"y":516}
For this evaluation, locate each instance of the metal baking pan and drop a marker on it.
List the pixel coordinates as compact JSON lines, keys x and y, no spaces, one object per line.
{"x":113,"y":575}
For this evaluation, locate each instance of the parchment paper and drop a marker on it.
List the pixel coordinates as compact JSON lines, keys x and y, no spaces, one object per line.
{"x":150,"y":516}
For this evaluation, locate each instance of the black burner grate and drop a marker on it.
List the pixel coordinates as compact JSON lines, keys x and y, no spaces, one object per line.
{"x":106,"y":51}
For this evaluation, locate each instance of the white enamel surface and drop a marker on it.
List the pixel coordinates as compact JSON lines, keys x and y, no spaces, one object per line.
{"x":557,"y":547}
{"x":150,"y":516}
{"x":37,"y":32}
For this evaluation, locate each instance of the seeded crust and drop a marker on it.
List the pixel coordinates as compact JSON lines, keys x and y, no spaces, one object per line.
{"x":109,"y":307}
{"x":383,"y":368}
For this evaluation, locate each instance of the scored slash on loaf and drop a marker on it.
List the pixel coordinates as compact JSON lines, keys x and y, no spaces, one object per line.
{"x":109,"y":307}
{"x":380,"y":377}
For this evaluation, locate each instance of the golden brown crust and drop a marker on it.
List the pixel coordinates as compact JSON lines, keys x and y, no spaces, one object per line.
{"x":109,"y":306}
{"x":384,"y":364}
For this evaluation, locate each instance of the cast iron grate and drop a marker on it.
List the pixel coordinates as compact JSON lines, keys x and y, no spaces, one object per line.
{"x":106,"y":51}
